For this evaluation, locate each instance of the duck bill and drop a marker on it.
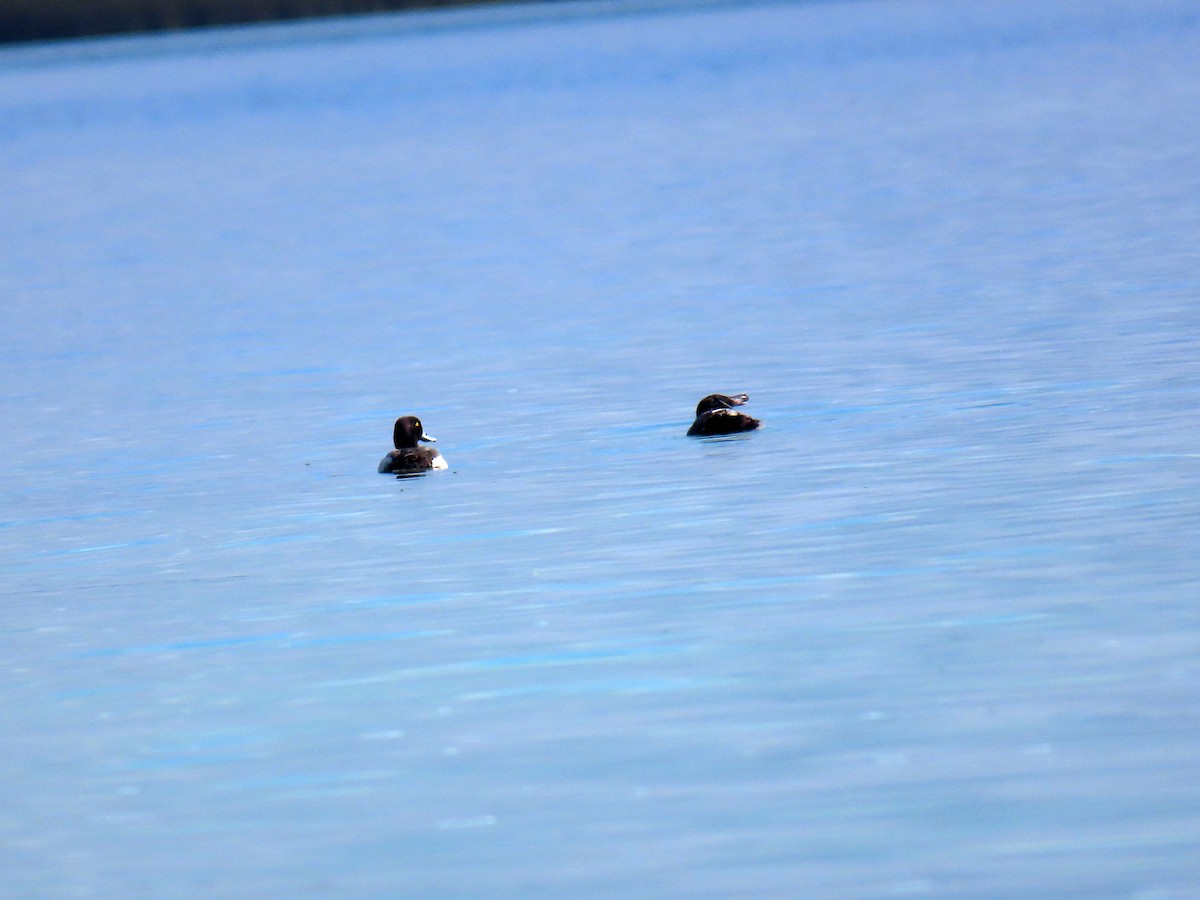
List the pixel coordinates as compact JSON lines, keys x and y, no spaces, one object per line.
{"x":429,"y":437}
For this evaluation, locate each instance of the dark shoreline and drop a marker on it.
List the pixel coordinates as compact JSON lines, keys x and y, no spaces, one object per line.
{"x":45,"y":20}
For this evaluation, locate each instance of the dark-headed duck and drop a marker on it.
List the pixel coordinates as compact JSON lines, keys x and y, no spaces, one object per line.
{"x":408,"y":457}
{"x":715,"y":415}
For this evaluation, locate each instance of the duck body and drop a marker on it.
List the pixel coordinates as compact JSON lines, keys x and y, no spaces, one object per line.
{"x":408,"y":456}
{"x":414,"y":459}
{"x":715,"y":415}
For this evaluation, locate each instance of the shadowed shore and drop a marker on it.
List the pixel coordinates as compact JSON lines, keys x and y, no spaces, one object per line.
{"x":37,"y":20}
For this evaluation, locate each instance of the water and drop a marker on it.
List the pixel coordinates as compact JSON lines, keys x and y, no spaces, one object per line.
{"x":931,"y":632}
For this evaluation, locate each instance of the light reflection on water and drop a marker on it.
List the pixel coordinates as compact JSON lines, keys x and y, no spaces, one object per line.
{"x":930,"y":631}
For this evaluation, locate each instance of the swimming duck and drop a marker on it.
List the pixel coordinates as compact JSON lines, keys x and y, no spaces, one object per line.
{"x":408,"y":457}
{"x":715,"y":415}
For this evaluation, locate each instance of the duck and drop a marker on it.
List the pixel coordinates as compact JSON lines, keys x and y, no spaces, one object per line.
{"x":408,"y":457}
{"x":715,"y":415}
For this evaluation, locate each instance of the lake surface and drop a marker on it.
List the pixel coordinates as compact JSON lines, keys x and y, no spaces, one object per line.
{"x":932,"y":631}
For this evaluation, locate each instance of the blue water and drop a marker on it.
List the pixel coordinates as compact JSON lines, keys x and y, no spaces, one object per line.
{"x":932,"y":631}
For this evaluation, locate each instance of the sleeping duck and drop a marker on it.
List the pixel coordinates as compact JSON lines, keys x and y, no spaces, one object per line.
{"x":715,"y":415}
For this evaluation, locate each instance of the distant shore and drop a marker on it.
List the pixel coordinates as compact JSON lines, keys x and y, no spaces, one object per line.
{"x":41,"y":20}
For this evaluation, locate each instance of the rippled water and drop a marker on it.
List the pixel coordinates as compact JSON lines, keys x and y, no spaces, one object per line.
{"x":932,"y":631}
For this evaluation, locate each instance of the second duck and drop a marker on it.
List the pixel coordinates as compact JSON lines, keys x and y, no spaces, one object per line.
{"x":715,"y":415}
